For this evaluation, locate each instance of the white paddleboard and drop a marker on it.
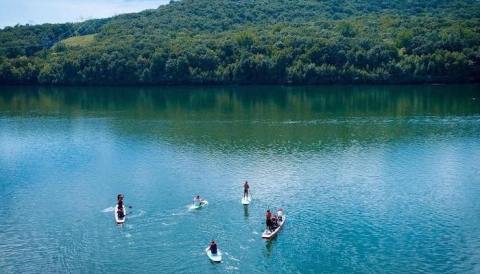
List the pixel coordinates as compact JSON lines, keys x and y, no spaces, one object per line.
{"x":267,"y":234}
{"x":118,"y":220}
{"x":203,"y":203}
{"x":214,"y":258}
{"x":246,"y":200}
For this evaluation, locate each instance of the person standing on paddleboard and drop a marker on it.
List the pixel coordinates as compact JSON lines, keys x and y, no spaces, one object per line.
{"x":197,"y":200}
{"x":245,"y":189}
{"x":268,"y":221}
{"x":213,"y":247}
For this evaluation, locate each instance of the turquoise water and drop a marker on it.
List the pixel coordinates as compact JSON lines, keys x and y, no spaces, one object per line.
{"x":372,"y":179}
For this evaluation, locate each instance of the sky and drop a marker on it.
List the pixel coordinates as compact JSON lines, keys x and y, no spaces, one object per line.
{"x":22,"y":12}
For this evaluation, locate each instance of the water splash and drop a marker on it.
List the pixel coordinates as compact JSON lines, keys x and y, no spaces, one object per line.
{"x":139,"y":214}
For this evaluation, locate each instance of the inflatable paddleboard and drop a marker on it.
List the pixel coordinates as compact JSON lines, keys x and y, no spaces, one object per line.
{"x":246,"y":200}
{"x":214,"y":258}
{"x":203,"y":203}
{"x":267,"y":234}
{"x":118,"y":220}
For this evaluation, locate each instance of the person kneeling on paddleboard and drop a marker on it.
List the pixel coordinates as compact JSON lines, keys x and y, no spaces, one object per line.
{"x":245,"y":189}
{"x":213,"y":247}
{"x":274,"y":223}
{"x":280,"y":214}
{"x":120,"y":212}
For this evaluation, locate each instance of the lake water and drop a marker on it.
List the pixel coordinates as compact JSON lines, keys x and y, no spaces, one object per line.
{"x":372,"y":178}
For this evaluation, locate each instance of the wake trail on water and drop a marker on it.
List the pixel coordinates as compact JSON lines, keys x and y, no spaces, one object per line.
{"x":180,"y":212}
{"x":231,"y":257}
{"x":139,"y":213}
{"x":109,"y":209}
{"x":168,"y":224}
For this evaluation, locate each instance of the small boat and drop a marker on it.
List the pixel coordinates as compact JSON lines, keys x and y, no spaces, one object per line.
{"x":117,"y":219}
{"x":203,"y":203}
{"x":214,"y":257}
{"x":267,"y":234}
{"x":246,"y":200}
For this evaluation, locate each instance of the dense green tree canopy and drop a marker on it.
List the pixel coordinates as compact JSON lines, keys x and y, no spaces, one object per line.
{"x":264,"y":41}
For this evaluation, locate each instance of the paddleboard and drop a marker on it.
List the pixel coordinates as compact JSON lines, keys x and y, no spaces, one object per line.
{"x":203,"y":203}
{"x":118,"y":220}
{"x":214,"y":258}
{"x":267,"y":234}
{"x":246,"y":200}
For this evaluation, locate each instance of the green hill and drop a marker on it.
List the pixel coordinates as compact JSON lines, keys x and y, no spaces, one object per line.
{"x":226,"y":41}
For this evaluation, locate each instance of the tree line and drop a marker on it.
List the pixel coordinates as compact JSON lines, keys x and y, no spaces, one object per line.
{"x":280,"y":42}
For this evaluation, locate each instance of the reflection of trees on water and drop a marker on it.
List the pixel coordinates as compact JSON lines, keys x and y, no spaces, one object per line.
{"x":261,"y":102}
{"x":256,"y":116}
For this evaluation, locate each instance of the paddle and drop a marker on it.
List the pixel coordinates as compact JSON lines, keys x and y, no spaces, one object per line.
{"x":129,"y":207}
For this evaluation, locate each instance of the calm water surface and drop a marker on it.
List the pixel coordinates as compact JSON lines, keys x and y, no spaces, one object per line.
{"x":372,"y":179}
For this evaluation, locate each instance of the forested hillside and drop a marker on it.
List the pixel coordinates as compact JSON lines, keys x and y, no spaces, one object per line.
{"x":265,"y":41}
